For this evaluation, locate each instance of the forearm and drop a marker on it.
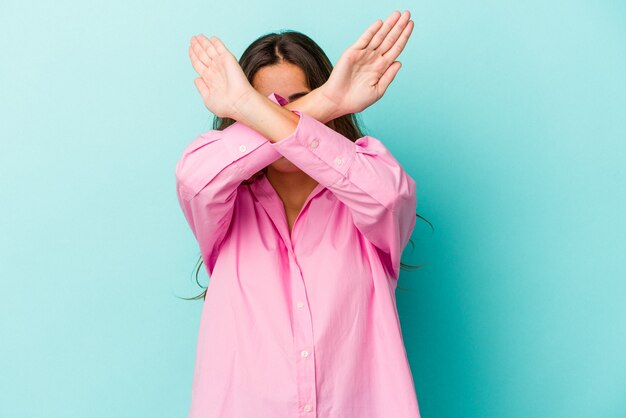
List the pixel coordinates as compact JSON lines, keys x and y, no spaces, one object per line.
{"x":277,"y":122}
{"x":316,"y":105}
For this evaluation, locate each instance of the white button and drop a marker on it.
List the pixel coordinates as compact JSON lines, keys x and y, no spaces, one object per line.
{"x":304,"y":353}
{"x":242,"y":148}
{"x":338,"y":161}
{"x":300,"y":304}
{"x":314,"y":143}
{"x":307,"y":408}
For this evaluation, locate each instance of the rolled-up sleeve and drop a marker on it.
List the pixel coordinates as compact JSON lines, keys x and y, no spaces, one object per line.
{"x":363,"y":175}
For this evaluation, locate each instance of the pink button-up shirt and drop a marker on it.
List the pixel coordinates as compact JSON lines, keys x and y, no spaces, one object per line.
{"x":301,"y":324}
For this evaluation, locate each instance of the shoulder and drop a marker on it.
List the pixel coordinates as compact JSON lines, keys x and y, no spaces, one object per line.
{"x":203,"y":139}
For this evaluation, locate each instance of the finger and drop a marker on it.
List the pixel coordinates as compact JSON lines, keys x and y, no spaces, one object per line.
{"x":388,"y":76}
{"x":207,"y":46}
{"x":197,"y":64}
{"x":397,"y":48}
{"x":202,"y":87}
{"x":219,"y":45}
{"x":395,"y":32}
{"x":366,"y":37}
{"x":384,"y":30}
{"x":199,"y":50}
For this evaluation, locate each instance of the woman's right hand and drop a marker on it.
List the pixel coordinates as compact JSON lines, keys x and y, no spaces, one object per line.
{"x":221,"y":82}
{"x":365,"y":70}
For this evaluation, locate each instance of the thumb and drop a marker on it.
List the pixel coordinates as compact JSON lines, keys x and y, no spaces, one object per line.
{"x":202,"y":88}
{"x":388,"y":76}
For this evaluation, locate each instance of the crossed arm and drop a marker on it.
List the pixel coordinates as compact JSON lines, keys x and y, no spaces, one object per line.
{"x":212,"y":167}
{"x":360,"y":78}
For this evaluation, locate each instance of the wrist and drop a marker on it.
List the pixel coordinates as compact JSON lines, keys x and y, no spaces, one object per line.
{"x":330,"y":108}
{"x":242,"y":107}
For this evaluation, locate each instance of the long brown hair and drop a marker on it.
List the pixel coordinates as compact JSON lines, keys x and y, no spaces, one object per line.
{"x":298,"y":49}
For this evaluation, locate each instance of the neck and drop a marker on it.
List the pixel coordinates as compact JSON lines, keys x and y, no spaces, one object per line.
{"x":293,"y":188}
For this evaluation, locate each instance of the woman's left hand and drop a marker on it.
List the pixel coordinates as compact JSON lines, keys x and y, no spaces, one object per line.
{"x":365,"y":70}
{"x":222,"y":83}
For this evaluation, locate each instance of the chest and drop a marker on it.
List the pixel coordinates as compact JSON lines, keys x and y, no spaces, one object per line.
{"x":291,"y":218}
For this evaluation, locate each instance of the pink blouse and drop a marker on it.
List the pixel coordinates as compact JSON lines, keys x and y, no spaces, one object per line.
{"x":301,"y":324}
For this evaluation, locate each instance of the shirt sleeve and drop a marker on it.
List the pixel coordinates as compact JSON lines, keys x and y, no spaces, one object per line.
{"x":365,"y":176}
{"x":208,"y":173}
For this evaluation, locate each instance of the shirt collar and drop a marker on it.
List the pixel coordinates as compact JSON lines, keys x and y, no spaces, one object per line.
{"x":277,"y":98}
{"x":262,"y":187}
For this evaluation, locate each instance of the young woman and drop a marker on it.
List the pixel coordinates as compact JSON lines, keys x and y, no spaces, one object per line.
{"x":301,"y":222}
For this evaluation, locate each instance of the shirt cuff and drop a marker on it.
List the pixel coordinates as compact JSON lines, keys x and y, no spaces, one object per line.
{"x":241,"y":140}
{"x":221,"y":152}
{"x":319,"y":151}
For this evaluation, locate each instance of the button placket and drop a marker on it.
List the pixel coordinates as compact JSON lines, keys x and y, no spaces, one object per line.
{"x":303,"y":344}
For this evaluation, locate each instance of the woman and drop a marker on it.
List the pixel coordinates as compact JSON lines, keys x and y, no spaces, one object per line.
{"x":301,"y":229}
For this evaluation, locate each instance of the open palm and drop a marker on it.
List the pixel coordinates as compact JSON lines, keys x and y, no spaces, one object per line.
{"x":221,"y":82}
{"x":365,"y":70}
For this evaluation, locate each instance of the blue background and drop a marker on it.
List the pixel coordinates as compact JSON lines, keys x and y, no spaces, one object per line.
{"x":509,"y":115}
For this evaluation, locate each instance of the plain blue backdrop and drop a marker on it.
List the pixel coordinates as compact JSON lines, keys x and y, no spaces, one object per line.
{"x":510,"y":116}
